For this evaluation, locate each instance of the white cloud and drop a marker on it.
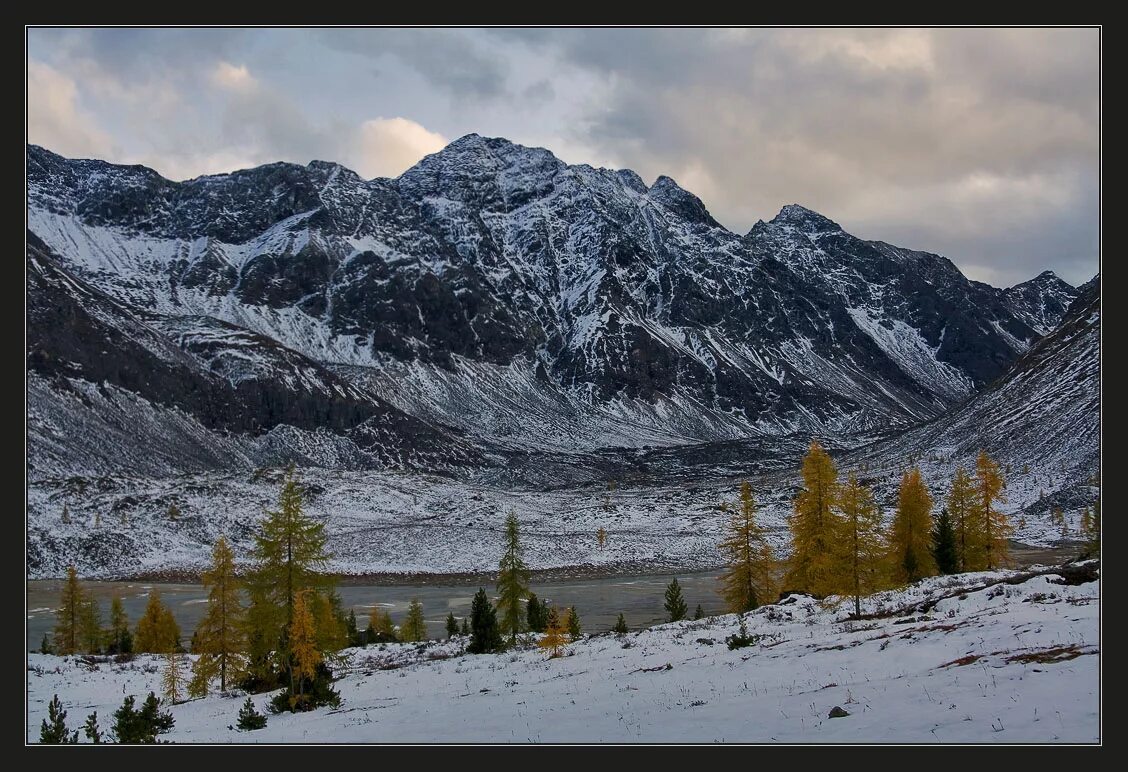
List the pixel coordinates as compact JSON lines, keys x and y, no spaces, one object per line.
{"x":233,"y":77}
{"x":386,"y":147}
{"x":55,"y":119}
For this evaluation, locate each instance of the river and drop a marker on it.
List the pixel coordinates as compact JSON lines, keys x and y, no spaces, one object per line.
{"x":599,"y":601}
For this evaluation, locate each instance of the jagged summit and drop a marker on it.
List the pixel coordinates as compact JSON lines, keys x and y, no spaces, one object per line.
{"x":804,"y":219}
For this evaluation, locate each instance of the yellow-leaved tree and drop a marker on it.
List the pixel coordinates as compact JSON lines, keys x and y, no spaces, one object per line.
{"x":970,"y":554}
{"x":68,"y":617}
{"x":816,"y":564}
{"x":555,"y":633}
{"x":157,"y":631}
{"x":749,"y":577}
{"x":865,"y":539}
{"x":994,"y":526}
{"x":910,"y":542}
{"x":220,"y":638}
{"x":304,"y":654}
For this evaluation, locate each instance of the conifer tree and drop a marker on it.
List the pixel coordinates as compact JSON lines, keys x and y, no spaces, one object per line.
{"x":911,"y":539}
{"x":53,"y":729}
{"x":249,"y":718}
{"x":970,"y":554}
{"x":141,"y":726}
{"x":620,"y":627}
{"x":68,"y":617}
{"x":554,"y":633}
{"x":172,"y":681}
{"x":91,"y":729}
{"x":90,"y":626}
{"x":816,"y":559}
{"x":572,"y":623}
{"x":350,"y":628}
{"x":221,"y":634}
{"x":173,"y":512}
{"x":990,"y":484}
{"x":451,"y":625}
{"x":304,"y":654}
{"x":45,"y":645}
{"x":864,"y":541}
{"x":66,"y":514}
{"x":536,"y":613}
{"x":698,"y":613}
{"x":329,"y":621}
{"x":380,"y":627}
{"x":944,"y":544}
{"x":97,"y":523}
{"x":413,"y":627}
{"x":465,"y":626}
{"x":121,"y":642}
{"x":290,"y":557}
{"x":675,"y":604}
{"x":484,"y":633}
{"x":747,"y":580}
{"x":601,"y":537}
{"x":157,"y":631}
{"x":512,"y":580}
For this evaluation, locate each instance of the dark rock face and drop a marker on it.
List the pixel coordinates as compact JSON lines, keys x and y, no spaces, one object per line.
{"x":602,"y":289}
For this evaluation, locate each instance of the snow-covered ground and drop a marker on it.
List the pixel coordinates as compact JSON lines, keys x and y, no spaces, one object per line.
{"x":942,"y":662}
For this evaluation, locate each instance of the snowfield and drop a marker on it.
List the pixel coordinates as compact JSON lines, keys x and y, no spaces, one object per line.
{"x":970,"y":658}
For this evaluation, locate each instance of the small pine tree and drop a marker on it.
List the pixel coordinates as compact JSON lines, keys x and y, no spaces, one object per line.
{"x":535,"y":613}
{"x":554,"y":634}
{"x":485,"y":636}
{"x":91,"y":729}
{"x":944,"y":544}
{"x":350,"y":628}
{"x":970,"y":555}
{"x":173,"y":512}
{"x":45,"y":645}
{"x":121,"y":642}
{"x":620,"y":627}
{"x":465,"y":626}
{"x":451,"y":625}
{"x":572,"y":623}
{"x":413,"y":627}
{"x":66,"y":515}
{"x":53,"y":730}
{"x":172,"y":682}
{"x":699,"y":613}
{"x":601,"y":537}
{"x":249,"y":718}
{"x":141,"y":726}
{"x":97,"y":518}
{"x":512,"y":580}
{"x":675,"y":604}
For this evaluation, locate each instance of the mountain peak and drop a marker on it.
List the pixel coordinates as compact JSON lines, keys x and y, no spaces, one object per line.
{"x":667,"y":192}
{"x":805,"y":219}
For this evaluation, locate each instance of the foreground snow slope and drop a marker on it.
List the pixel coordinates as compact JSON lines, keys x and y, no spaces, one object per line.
{"x":1001,"y":663}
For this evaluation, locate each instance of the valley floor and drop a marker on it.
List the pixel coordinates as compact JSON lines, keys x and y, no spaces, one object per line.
{"x":968,"y":658}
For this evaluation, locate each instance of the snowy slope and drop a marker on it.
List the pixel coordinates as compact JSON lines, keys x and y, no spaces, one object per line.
{"x":970,"y":658}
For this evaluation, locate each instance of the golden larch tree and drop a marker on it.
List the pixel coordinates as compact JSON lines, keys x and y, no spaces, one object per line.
{"x":816,"y":564}
{"x":989,"y":489}
{"x":555,"y":633}
{"x":221,"y":635}
{"x":304,"y":654}
{"x":748,"y":580}
{"x":413,"y":627}
{"x":970,"y":552}
{"x":157,"y":631}
{"x":910,"y":543}
{"x":601,"y":537}
{"x":865,"y":539}
{"x":68,"y":617}
{"x":172,"y":681}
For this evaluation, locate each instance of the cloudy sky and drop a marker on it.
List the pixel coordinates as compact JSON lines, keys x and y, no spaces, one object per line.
{"x":982,"y":145}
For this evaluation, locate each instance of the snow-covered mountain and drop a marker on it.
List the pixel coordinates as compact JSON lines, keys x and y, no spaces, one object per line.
{"x":497,"y":292}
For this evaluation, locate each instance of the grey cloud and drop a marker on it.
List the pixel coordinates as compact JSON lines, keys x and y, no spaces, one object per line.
{"x":448,"y":59}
